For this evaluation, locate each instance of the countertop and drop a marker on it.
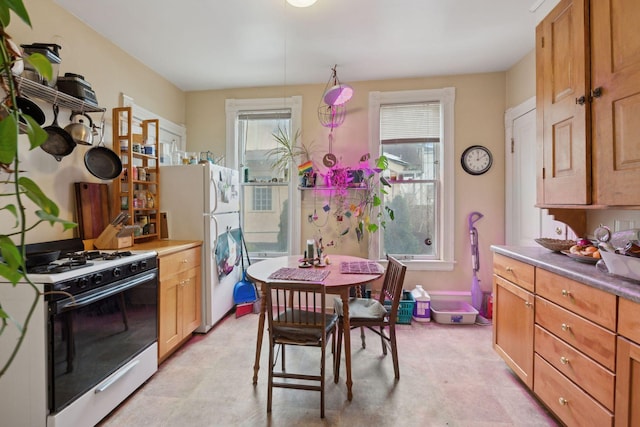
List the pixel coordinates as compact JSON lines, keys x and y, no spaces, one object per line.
{"x":558,"y":263}
{"x":166,"y":246}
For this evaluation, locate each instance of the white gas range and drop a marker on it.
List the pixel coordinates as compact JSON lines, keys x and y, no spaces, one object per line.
{"x":91,"y":341}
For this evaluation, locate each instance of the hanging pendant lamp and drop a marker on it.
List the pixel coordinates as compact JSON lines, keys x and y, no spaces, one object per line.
{"x":332,"y":110}
{"x":301,"y":3}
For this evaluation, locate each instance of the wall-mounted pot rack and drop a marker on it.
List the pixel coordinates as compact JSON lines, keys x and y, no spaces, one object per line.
{"x":51,"y":95}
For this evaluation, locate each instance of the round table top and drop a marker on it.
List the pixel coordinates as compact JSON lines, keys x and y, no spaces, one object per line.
{"x":261,"y":270}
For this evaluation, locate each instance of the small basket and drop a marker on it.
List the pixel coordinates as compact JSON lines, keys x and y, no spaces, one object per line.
{"x":405,"y":308}
{"x":555,"y":245}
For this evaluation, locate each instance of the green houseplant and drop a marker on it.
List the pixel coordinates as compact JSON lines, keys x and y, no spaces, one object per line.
{"x":288,"y":150}
{"x":15,"y":188}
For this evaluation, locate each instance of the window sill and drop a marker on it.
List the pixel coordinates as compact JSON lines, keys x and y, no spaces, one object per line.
{"x":426,"y":265}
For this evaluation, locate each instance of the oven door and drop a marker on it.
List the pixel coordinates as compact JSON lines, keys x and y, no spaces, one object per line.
{"x":93,"y":334}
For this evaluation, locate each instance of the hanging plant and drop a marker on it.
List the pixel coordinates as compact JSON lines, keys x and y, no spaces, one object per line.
{"x":15,"y":187}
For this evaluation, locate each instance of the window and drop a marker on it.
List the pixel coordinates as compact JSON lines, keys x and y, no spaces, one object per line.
{"x":414,"y":130}
{"x":269,"y":211}
{"x":262,"y":198}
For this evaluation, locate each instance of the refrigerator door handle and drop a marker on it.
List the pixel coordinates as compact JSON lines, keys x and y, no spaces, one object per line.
{"x":215,"y":195}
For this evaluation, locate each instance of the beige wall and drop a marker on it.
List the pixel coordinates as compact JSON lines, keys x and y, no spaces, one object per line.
{"x":521,"y":80}
{"x":479,"y":119}
{"x":110,"y":72}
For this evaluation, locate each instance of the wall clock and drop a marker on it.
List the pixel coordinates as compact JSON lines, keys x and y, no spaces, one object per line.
{"x":476,"y":160}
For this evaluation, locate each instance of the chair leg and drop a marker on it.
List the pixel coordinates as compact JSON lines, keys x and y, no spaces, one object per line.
{"x":382,"y":338}
{"x":322,"y":373}
{"x":364,"y":344}
{"x":282,"y":346}
{"x":270,"y":379}
{"x":394,"y":350}
{"x":336,"y":362}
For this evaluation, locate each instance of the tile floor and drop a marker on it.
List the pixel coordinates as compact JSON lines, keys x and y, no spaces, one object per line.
{"x":449,"y":376}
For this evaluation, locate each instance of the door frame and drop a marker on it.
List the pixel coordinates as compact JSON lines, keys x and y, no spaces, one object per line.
{"x":509,"y":117}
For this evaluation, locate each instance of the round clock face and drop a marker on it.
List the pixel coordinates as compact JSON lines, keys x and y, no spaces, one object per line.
{"x":476,"y":160}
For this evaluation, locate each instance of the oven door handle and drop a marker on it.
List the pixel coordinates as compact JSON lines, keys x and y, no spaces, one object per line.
{"x":73,"y":303}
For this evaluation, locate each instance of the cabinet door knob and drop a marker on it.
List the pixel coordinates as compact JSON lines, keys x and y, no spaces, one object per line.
{"x":581,"y":101}
{"x":564,"y":360}
{"x":528,"y":304}
{"x":509,"y":269}
{"x":597,"y":92}
{"x":566,"y":293}
{"x":563,"y":401}
{"x":565,"y":327}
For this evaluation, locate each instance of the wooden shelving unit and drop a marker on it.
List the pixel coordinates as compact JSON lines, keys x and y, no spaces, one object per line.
{"x":137,"y":192}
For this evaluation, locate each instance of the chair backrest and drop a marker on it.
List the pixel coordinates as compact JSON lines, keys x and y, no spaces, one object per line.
{"x":392,"y":285}
{"x":297,"y":311}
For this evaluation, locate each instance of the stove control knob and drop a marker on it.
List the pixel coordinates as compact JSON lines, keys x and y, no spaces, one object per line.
{"x":83,"y":282}
{"x":97,"y":278}
{"x":117,"y":272}
{"x":143,"y":264}
{"x":133,"y":267}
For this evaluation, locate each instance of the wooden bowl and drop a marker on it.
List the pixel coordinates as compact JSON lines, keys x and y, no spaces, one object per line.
{"x":556,"y":245}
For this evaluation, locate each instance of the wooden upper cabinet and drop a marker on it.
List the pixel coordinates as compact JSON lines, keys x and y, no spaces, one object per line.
{"x":562,"y":92}
{"x":615,"y":72}
{"x":588,"y":100}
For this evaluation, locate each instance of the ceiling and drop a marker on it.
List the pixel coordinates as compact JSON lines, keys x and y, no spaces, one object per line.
{"x":217,"y":44}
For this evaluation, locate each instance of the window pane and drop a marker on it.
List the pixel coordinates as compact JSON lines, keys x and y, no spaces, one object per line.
{"x":266,"y":229}
{"x":414,"y":230}
{"x":256,"y":132}
{"x":410,"y":139}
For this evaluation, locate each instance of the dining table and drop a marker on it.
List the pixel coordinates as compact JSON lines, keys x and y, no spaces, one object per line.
{"x":337,"y":282}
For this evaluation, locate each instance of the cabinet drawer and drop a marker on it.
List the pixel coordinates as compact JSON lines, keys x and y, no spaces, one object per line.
{"x":592,"y":303}
{"x":589,"y":375}
{"x":179,"y":261}
{"x":572,"y":405}
{"x":629,"y":319}
{"x":591,"y":339}
{"x":518,"y":272}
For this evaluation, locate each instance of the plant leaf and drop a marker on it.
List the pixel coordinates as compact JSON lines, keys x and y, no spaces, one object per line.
{"x":10,"y":253}
{"x":18,"y":7}
{"x":36,"y":195}
{"x":372,"y":227}
{"x":37,"y":135}
{"x":41,"y":64}
{"x":67,"y":225}
{"x":9,"y":273}
{"x":14,"y":211}
{"x":8,"y":139}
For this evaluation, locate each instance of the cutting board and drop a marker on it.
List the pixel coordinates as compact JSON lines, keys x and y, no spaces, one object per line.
{"x":92,"y":209}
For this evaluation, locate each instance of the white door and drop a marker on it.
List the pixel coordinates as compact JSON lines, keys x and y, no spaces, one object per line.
{"x":524,"y":221}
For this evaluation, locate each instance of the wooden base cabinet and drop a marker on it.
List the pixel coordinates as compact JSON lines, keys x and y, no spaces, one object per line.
{"x":513,"y":315}
{"x":180,"y":299}
{"x":628,"y":365}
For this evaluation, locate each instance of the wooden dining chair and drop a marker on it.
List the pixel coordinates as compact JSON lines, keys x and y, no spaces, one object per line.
{"x":297,"y":316}
{"x":375,"y":314}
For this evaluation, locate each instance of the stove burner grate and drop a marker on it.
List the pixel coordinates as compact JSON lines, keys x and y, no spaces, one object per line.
{"x":57,"y":268}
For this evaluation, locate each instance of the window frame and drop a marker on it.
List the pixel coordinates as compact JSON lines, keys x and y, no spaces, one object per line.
{"x":233,"y":107}
{"x":446,"y":210}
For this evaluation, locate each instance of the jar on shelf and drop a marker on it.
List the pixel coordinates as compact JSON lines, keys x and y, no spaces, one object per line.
{"x":151,"y":200}
{"x":142,"y":174}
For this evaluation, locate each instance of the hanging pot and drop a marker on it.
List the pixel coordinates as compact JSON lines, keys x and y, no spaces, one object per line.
{"x":102,"y":162}
{"x":80,"y":132}
{"x":28,"y":107}
{"x":59,"y":143}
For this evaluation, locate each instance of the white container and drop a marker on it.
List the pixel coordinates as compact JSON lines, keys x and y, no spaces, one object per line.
{"x":422,"y":307}
{"x":622,"y":265}
{"x":453,"y":312}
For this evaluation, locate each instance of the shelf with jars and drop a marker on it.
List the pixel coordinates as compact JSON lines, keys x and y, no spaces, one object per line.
{"x":137,"y":191}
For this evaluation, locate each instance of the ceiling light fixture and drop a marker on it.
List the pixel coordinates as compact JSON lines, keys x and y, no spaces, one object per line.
{"x":301,"y":3}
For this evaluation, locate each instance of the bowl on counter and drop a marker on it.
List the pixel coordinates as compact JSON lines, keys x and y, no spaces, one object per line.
{"x":556,"y":245}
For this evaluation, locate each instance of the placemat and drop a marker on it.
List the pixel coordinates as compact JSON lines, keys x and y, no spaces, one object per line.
{"x":361,"y":267}
{"x":305,"y":275}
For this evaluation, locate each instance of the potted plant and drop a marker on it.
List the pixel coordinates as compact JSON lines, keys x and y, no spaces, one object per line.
{"x":15,"y":186}
{"x":288,"y":151}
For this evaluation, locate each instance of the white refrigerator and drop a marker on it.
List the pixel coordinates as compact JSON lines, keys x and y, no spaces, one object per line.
{"x":202,"y":202}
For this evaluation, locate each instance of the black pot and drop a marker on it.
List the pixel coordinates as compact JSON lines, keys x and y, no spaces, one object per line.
{"x":30,"y":108}
{"x":36,"y":259}
{"x":59,"y":143}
